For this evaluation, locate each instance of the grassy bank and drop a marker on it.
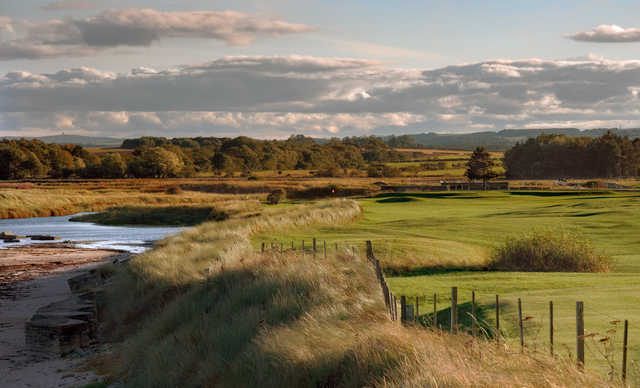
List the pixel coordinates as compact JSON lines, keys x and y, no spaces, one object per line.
{"x":203,"y":310}
{"x":431,"y":242}
{"x":58,"y":202}
{"x":173,"y":215}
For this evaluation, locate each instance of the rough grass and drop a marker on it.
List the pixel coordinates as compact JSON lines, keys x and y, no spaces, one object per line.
{"x":431,"y":242}
{"x":204,"y":310}
{"x":172,"y":215}
{"x":555,"y":250}
{"x":152,"y":216}
{"x":45,"y":202}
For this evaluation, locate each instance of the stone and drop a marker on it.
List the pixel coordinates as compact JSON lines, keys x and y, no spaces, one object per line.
{"x":42,"y":237}
{"x":57,"y":335}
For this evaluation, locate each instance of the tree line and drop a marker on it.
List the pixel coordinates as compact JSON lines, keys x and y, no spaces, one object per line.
{"x":561,"y":156}
{"x":158,"y":157}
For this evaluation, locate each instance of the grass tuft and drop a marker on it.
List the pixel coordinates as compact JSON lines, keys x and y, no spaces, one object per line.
{"x":549,"y":251}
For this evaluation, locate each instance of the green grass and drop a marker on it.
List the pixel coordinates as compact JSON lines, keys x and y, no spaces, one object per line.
{"x":205,"y":310}
{"x":428,"y":240}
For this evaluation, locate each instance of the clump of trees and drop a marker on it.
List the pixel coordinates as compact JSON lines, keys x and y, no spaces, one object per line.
{"x":158,"y":157}
{"x":560,"y":156}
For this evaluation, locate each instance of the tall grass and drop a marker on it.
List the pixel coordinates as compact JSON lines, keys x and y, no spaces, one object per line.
{"x":204,"y":310}
{"x":550,"y":251}
{"x":64,"y":201}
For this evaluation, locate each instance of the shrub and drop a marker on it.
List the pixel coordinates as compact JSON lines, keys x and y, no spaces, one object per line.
{"x":173,"y":190}
{"x":549,"y":251}
{"x":275,"y":196}
{"x":594,"y":184}
{"x":217,"y":215}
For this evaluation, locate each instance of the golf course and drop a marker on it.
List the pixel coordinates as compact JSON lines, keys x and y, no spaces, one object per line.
{"x":430,"y":242}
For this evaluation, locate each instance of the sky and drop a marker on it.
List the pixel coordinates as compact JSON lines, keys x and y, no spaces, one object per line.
{"x":324,"y":68}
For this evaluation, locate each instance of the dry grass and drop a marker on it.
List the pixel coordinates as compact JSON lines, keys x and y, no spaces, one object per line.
{"x":204,"y":310}
{"x":550,"y":251}
{"x":59,"y":198}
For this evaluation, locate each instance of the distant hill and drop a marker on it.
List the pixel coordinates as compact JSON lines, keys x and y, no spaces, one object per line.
{"x":497,"y":141}
{"x":84,"y":141}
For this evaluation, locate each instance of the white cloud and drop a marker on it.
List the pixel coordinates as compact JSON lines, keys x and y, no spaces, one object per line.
{"x":274,"y":96}
{"x":132,"y":27}
{"x":608,"y":33}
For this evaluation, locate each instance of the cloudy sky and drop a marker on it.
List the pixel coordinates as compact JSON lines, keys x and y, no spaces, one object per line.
{"x":322,"y":68}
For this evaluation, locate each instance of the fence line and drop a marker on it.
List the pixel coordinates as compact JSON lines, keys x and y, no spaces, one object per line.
{"x":410,"y":313}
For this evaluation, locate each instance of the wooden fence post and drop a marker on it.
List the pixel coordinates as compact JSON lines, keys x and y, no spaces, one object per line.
{"x":474,"y":330}
{"x":551,"y":327}
{"x":454,"y":309}
{"x":417,"y":308}
{"x":262,"y":248}
{"x":580,"y":334}
{"x":521,"y":325}
{"x":435,"y":311}
{"x":336,"y":247}
{"x":624,"y":351}
{"x":497,"y":319}
{"x":395,"y":308}
{"x":314,"y":247}
{"x":403,"y":309}
{"x":325,"y":249}
{"x":292,"y":245}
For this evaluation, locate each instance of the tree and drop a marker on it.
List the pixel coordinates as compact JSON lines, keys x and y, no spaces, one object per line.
{"x":155,"y":162}
{"x":480,"y":165}
{"x":11,"y":158}
{"x":112,"y":166}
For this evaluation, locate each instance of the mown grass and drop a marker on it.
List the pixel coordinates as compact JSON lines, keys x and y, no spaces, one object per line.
{"x":430,"y":242}
{"x":203,"y":309}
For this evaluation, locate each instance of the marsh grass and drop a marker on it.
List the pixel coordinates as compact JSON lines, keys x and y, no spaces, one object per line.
{"x":172,"y":215}
{"x":153,"y":216}
{"x":553,"y":250}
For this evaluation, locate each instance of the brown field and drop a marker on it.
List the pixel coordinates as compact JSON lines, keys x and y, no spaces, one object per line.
{"x":436,"y":152}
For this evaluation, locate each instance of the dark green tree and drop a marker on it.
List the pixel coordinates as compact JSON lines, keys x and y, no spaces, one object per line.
{"x":480,"y":165}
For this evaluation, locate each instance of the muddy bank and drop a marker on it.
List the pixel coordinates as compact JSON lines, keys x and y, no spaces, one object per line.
{"x":26,"y":262}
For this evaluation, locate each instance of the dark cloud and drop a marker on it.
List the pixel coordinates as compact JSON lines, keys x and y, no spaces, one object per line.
{"x":256,"y":95}
{"x":132,"y":27}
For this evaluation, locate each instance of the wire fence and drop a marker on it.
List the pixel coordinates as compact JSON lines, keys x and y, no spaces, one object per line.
{"x":514,"y":321}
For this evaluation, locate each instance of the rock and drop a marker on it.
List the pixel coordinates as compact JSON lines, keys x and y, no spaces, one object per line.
{"x":85,"y":281}
{"x":7,"y":235}
{"x":8,"y":240}
{"x":57,"y":335}
{"x":42,"y":237}
{"x":62,"y":327}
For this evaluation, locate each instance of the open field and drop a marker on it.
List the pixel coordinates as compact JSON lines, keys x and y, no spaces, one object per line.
{"x":203,"y":309}
{"x":429,"y":241}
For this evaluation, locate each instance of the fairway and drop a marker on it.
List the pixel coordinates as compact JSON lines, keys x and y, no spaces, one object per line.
{"x":433,"y":241}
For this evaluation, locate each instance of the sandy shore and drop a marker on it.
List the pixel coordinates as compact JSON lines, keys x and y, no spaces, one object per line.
{"x":26,"y":262}
{"x":31,"y":277}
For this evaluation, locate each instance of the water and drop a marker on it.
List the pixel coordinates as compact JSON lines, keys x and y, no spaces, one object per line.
{"x":133,"y":239}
